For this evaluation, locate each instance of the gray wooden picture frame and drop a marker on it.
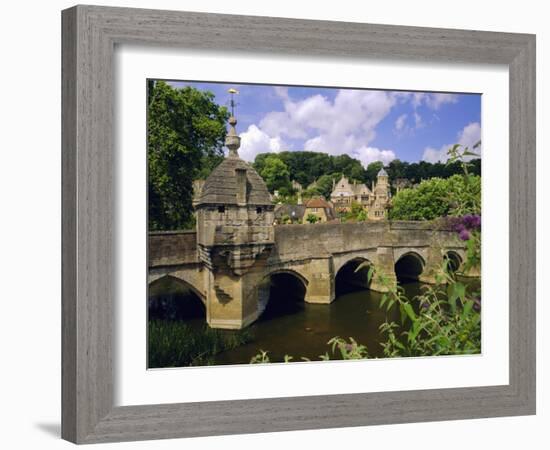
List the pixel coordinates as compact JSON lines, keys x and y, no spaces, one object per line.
{"x":90,"y":34}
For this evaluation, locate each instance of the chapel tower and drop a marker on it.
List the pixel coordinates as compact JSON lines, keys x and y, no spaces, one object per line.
{"x":235,"y":234}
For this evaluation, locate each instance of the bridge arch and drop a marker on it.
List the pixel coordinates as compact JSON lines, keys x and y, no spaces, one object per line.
{"x":188,"y":278}
{"x":454,"y":260}
{"x":409,"y":266}
{"x":282,"y":291}
{"x":170,"y":297}
{"x":348,"y":278}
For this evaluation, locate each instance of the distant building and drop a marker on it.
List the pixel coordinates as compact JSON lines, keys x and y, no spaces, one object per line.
{"x":296,"y":186}
{"x":375,"y":201}
{"x":344,"y":193}
{"x":320,"y":208}
{"x":378,"y":208}
{"x":285,"y":213}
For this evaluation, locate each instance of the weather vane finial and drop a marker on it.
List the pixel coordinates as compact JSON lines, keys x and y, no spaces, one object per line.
{"x":232,"y":139}
{"x":232,"y":91}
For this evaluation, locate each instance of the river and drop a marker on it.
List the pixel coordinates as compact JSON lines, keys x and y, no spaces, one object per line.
{"x":290,"y":326}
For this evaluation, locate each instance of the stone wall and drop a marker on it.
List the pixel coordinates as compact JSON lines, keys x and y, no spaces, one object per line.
{"x":322,"y":239}
{"x":313,"y":252}
{"x":172,"y":248}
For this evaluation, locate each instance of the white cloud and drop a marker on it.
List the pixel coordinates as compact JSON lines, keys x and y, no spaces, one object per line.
{"x":418,"y":123}
{"x":254,"y":141}
{"x":343,"y":125}
{"x":467,"y":137}
{"x":368,"y":155}
{"x":281,"y":91}
{"x":432,"y":100}
{"x":400,"y":122}
{"x":403,"y":128}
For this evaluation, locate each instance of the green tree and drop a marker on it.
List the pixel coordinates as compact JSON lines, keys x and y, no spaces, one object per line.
{"x":276,"y":174}
{"x":438,"y":197}
{"x":372,"y":170}
{"x":186,"y":131}
{"x":397,"y":169}
{"x":325,"y":183}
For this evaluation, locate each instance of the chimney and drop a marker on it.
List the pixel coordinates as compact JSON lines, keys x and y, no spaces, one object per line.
{"x":241,"y":185}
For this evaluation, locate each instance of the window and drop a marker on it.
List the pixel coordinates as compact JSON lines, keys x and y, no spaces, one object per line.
{"x":221,"y":209}
{"x":259,"y":210}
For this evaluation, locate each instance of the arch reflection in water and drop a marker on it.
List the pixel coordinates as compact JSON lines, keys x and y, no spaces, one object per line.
{"x":171,"y":298}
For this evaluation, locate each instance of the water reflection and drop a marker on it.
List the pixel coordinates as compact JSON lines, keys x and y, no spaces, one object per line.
{"x":307,"y":331}
{"x":290,"y":326}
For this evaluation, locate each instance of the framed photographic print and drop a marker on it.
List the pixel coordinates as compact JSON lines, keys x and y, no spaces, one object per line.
{"x":253,"y":214}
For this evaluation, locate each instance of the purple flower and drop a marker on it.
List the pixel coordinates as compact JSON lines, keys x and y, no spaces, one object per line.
{"x":477,"y":305}
{"x":425,"y":305}
{"x":472,"y":221}
{"x":464,"y":235}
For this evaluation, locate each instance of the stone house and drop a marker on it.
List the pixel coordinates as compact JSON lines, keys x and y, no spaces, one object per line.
{"x":380,"y":200}
{"x":375,"y":201}
{"x":344,"y":193}
{"x":320,"y":208}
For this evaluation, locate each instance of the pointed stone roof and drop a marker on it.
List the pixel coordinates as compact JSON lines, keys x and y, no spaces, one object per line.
{"x":220,"y":188}
{"x":382,"y":173}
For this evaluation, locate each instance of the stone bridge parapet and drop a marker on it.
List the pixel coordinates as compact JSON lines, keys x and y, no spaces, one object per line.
{"x":314,"y":252}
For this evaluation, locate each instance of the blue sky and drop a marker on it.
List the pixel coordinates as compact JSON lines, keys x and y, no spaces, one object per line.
{"x":369,"y":125}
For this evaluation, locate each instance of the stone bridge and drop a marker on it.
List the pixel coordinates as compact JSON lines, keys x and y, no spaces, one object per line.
{"x":318,"y":255}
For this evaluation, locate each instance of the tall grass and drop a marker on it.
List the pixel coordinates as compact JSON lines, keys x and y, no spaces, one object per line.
{"x":175,"y":344}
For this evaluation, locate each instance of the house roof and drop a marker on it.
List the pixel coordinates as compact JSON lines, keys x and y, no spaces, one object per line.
{"x":287,"y":210}
{"x":317,"y":202}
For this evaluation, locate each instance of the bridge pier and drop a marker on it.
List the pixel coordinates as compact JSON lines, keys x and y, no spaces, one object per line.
{"x":384,"y":278}
{"x":321,"y":281}
{"x":433,"y":266}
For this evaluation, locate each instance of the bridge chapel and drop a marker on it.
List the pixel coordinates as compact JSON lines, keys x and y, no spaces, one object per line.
{"x":235,"y":235}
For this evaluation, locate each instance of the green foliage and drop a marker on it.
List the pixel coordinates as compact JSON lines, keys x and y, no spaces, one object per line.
{"x":446,"y":322}
{"x":372,"y":170}
{"x":275,"y":174}
{"x":437,"y":197}
{"x":312,"y":218}
{"x":356,"y":213}
{"x":340,"y":348}
{"x":325,"y":183}
{"x":185,"y":135}
{"x":348,"y":350}
{"x":286,"y":219}
{"x":260,"y":358}
{"x":173,"y":343}
{"x":473,"y":252}
{"x":307,"y":167}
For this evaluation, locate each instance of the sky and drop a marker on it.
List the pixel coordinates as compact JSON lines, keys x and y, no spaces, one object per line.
{"x":369,"y":125}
